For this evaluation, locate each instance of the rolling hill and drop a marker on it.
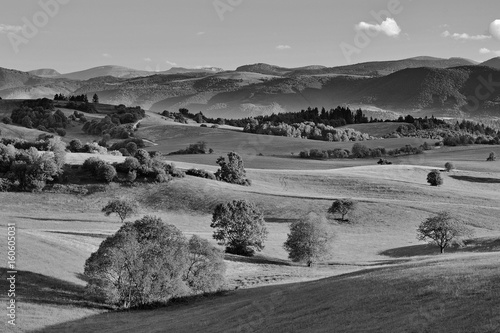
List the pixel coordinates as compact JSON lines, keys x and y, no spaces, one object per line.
{"x":420,"y":86}
{"x":493,"y":62}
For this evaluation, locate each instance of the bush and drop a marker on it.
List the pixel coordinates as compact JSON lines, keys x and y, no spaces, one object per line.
{"x":434,"y":178}
{"x":200,"y":173}
{"x":195,"y":148}
{"x":491,"y":157}
{"x":232,"y":171}
{"x":75,"y":146}
{"x":92,"y":164}
{"x":449,"y":166}
{"x":308,"y":239}
{"x":106,"y":172}
{"x":160,"y":264}
{"x":240,"y":227}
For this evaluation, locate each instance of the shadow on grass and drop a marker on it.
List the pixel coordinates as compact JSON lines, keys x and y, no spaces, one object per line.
{"x":54,"y":219}
{"x":41,"y":289}
{"x":474,"y":245}
{"x":280,"y":220}
{"x":256,"y":260}
{"x":483,"y":180}
{"x":84,"y":234}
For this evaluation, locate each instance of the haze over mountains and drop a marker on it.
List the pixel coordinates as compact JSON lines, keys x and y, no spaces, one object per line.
{"x":420,"y":85}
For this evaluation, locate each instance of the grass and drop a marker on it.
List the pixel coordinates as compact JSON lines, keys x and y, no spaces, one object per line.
{"x":414,"y":292}
{"x":451,"y":295}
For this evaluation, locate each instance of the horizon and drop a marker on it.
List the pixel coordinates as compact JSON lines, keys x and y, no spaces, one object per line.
{"x":156,"y":36}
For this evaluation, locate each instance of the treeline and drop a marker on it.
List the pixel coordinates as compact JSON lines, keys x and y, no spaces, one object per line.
{"x":39,"y":114}
{"x":28,"y":166}
{"x":306,"y":130}
{"x":361,"y":151}
{"x":117,"y":124}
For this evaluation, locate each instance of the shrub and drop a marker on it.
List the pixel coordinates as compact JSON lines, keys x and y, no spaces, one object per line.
{"x":449,"y":166}
{"x":122,"y":207}
{"x":491,"y":157}
{"x":240,"y":227}
{"x":434,"y":178}
{"x":148,"y":262}
{"x":106,"y":172}
{"x":308,"y":239}
{"x":232,"y":171}
{"x":195,"y":148}
{"x":92,"y":164}
{"x":75,"y":146}
{"x":200,"y":173}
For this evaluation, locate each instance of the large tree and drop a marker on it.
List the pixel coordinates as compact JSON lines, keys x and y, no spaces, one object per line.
{"x":308,"y":239}
{"x":434,"y":178}
{"x":240,"y":227}
{"x":443,"y":230}
{"x":149,"y":261}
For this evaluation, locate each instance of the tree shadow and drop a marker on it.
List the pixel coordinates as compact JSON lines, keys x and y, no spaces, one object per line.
{"x":474,"y":245}
{"x":280,"y":220}
{"x":472,"y":179}
{"x":41,"y":289}
{"x":256,"y":260}
{"x":84,"y":234}
{"x":54,"y":219}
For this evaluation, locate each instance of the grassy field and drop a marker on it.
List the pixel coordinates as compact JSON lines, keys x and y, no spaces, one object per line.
{"x":378,"y":278}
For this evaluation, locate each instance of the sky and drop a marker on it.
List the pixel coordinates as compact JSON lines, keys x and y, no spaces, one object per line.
{"x":155,"y":35}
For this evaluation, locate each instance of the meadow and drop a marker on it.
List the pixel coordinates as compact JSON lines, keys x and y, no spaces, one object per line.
{"x":378,"y":277}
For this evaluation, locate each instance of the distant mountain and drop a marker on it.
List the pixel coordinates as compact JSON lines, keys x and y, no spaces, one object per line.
{"x":181,"y":70}
{"x":494,"y":63}
{"x":110,"y":70}
{"x":263,"y":89}
{"x":45,"y":72}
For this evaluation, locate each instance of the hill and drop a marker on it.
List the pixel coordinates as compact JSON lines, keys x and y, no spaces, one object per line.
{"x":45,"y":72}
{"x":435,"y":89}
{"x":493,"y":62}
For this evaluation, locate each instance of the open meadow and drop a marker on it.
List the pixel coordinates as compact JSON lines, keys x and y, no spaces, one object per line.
{"x":377,"y":275}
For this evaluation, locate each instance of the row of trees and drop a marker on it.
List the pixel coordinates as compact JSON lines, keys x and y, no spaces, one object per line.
{"x":360,"y":151}
{"x":76,"y":98}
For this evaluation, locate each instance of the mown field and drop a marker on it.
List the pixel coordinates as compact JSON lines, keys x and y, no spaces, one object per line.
{"x":378,"y":278}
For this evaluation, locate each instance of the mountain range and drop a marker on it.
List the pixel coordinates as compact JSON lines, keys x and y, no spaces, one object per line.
{"x":420,"y":86}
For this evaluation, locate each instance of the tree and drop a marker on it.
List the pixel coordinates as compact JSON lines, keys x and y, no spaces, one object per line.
{"x":492,"y":157}
{"x":443,"y":230}
{"x":95,"y":99}
{"x":308,"y":239}
{"x":233,"y":170}
{"x":240,"y":227}
{"x":149,"y":261}
{"x":449,"y":166}
{"x":434,"y":178}
{"x":106,"y":172}
{"x":342,"y":206}
{"x":122,"y":207}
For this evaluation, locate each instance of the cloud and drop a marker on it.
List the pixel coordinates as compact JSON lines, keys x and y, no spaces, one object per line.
{"x":170,"y":63}
{"x":200,"y":33}
{"x":283,"y":47}
{"x":5,"y":28}
{"x":148,"y":59}
{"x":106,"y":55}
{"x":488,"y":51}
{"x":495,"y":29}
{"x":463,"y":36}
{"x":388,"y":27}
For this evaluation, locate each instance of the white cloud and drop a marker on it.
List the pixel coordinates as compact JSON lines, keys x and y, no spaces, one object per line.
{"x":488,"y":51}
{"x":200,"y":33}
{"x":148,"y":59}
{"x":283,"y":47}
{"x":106,"y":55}
{"x":388,"y":27}
{"x":464,"y":36}
{"x":495,"y":29}
{"x":170,"y":63}
{"x":5,"y":28}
